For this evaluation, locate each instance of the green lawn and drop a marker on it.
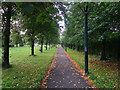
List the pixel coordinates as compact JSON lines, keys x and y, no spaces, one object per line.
{"x":103,"y":73}
{"x":0,"y":67}
{"x":26,"y":71}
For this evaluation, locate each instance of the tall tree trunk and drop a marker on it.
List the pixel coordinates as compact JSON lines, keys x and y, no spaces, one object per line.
{"x":78,"y":47}
{"x":65,"y":46}
{"x":86,"y":38}
{"x":103,"y":55}
{"x":41,"y":45}
{"x":16,"y":45}
{"x":73,"y":46}
{"x":118,"y":50}
{"x":6,"y":38}
{"x":32,"y":47}
{"x":46,"y":45}
{"x":69,"y":46}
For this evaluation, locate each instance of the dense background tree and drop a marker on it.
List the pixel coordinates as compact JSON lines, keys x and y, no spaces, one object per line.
{"x":103,"y":29}
{"x":16,"y":39}
{"x":37,"y":20}
{"x":9,"y":10}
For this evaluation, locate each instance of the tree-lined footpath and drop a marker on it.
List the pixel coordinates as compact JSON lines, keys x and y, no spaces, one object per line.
{"x":103,"y":29}
{"x":38,"y":20}
{"x":103,"y":40}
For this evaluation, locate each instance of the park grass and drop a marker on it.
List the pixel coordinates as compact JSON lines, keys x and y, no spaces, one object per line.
{"x":105,"y":74}
{"x":0,"y":68}
{"x":26,"y":71}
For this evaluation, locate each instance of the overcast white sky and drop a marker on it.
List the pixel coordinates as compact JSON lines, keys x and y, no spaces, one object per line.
{"x":61,"y":23}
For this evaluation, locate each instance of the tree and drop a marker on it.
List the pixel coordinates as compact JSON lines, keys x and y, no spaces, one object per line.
{"x":102,"y":29}
{"x":7,"y":7}
{"x":33,"y":17}
{"x":16,"y":38}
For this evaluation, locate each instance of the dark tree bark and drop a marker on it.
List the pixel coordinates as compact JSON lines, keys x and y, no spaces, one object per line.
{"x":103,"y":55}
{"x":86,"y":38}
{"x":32,"y":47}
{"x":12,"y":45}
{"x":73,"y":46}
{"x":78,"y":47}
{"x":21,"y":45}
{"x":62,"y":44}
{"x":69,"y":46}
{"x":41,"y":45}
{"x":46,"y":45}
{"x":65,"y":46}
{"x":6,"y":38}
{"x":118,"y":52}
{"x":16,"y":45}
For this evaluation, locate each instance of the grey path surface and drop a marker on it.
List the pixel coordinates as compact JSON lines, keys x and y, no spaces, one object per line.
{"x":64,"y":75}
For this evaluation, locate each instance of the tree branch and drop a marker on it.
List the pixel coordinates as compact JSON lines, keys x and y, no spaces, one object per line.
{"x":81,"y":8}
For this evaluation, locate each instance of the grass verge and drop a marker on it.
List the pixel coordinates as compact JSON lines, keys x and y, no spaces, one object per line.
{"x":103,"y":73}
{"x":26,"y":71}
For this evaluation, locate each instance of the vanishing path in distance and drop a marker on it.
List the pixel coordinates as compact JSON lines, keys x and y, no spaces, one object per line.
{"x":63,"y":74}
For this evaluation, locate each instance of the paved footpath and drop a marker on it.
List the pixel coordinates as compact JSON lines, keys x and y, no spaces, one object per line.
{"x":64,"y":75}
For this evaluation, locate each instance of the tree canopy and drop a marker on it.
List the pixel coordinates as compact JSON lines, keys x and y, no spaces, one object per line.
{"x":103,"y":28}
{"x":36,"y":19}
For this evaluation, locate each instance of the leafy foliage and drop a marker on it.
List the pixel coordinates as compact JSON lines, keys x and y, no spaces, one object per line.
{"x":103,"y":28}
{"x":16,"y":38}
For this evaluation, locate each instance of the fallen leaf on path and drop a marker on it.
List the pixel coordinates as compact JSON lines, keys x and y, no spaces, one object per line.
{"x":18,"y":84}
{"x":74,"y":84}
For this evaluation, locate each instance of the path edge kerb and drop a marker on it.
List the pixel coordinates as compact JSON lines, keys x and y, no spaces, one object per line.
{"x":80,"y":70}
{"x":48,"y":72}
